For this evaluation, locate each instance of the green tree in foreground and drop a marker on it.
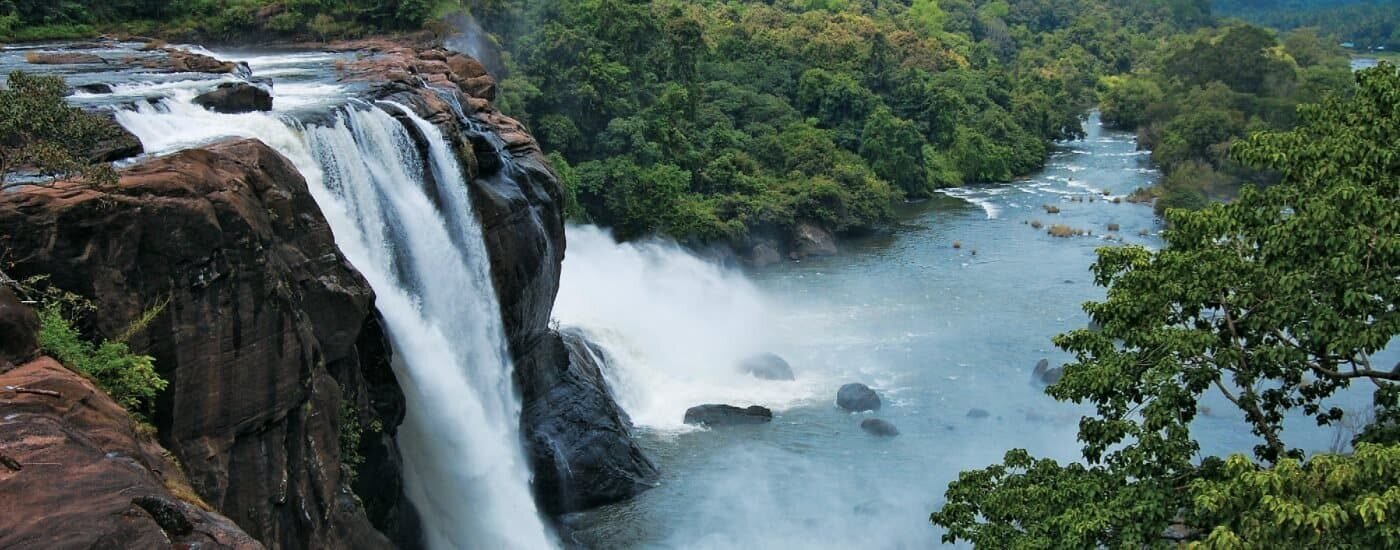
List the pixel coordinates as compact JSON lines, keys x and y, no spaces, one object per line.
{"x":39,"y":131}
{"x":1278,"y":300}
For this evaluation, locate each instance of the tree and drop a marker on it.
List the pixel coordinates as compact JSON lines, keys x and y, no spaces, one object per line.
{"x":1277,"y":300}
{"x":38,"y":130}
{"x":894,"y":150}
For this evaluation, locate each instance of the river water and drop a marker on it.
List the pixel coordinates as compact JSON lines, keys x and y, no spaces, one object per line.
{"x":938,"y":331}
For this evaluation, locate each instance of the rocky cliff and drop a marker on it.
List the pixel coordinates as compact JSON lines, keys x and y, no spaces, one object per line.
{"x":267,"y":336}
{"x":74,"y":470}
{"x":578,"y":440}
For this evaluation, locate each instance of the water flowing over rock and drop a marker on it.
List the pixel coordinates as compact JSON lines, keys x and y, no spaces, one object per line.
{"x":260,"y":338}
{"x":727,"y":415}
{"x":86,"y":479}
{"x":879,"y":427}
{"x":857,"y":398}
{"x":578,"y":438}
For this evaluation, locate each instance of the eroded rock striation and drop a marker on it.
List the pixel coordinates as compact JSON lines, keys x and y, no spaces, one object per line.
{"x":266,"y":336}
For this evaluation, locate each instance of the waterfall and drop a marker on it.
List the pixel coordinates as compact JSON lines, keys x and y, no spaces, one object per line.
{"x":418,"y":243}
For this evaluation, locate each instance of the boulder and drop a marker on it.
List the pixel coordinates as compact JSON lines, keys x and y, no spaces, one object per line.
{"x":727,"y":415}
{"x":879,"y":427}
{"x":579,"y":441}
{"x":63,"y":58}
{"x":978,"y":413}
{"x":857,"y":398}
{"x":809,"y":239}
{"x":764,"y":254}
{"x":19,"y":329}
{"x":267,"y":336}
{"x":97,"y":88}
{"x":117,"y":144}
{"x":235,"y":98}
{"x":87,"y":479}
{"x":767,"y":366}
{"x":1045,"y":374}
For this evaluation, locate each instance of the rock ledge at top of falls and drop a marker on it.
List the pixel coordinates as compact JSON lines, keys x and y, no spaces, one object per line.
{"x":267,"y":331}
{"x":578,"y":440}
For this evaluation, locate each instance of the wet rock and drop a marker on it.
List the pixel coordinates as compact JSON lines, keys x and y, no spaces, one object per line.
{"x":578,"y":439}
{"x":97,"y":88}
{"x":19,"y":327}
{"x":879,"y":427}
{"x":117,"y":143}
{"x":100,"y":485}
{"x":767,"y":366}
{"x":978,"y":413}
{"x":809,"y":239}
{"x":260,"y":339}
{"x":764,"y":254}
{"x":727,"y":415}
{"x":63,"y":58}
{"x":1045,"y":374}
{"x":235,"y":98}
{"x":857,"y":398}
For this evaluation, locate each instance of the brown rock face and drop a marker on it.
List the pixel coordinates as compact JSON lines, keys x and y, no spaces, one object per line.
{"x":268,"y":338}
{"x":63,"y":58}
{"x":19,"y":330}
{"x":86,"y":479}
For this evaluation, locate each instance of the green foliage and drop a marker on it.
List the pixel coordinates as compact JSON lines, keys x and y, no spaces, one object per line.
{"x":1367,"y":23}
{"x":130,"y":378}
{"x":350,"y":434}
{"x":39,"y":131}
{"x":710,"y":120}
{"x":1332,"y":501}
{"x":1278,"y":300}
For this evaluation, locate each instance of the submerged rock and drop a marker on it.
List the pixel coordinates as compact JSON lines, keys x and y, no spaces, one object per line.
{"x":235,"y":98}
{"x":876,"y":426}
{"x":978,"y":413}
{"x":857,"y":398}
{"x":727,"y":415}
{"x":1045,"y":374}
{"x":767,"y":366}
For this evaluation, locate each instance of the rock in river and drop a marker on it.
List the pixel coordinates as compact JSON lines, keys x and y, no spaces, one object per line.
{"x":876,"y":426}
{"x":236,"y":97}
{"x":857,"y":398}
{"x":767,"y":366}
{"x":727,"y":415}
{"x":1044,"y":374}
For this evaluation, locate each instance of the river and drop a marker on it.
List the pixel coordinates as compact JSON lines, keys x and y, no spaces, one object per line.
{"x":937,"y":330}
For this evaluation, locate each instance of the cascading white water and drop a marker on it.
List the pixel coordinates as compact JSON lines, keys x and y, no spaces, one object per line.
{"x":676,"y":328}
{"x":419,"y":245}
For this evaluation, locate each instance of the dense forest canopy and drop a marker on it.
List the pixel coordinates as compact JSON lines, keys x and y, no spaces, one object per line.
{"x":1367,"y":24}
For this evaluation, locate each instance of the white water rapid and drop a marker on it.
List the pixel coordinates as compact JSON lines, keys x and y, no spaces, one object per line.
{"x":418,"y":243}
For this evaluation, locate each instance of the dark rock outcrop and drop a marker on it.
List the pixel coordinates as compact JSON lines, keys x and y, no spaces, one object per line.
{"x":235,"y":98}
{"x":809,"y":239}
{"x":87,"y":478}
{"x":878,"y":427}
{"x":98,"y":88}
{"x":262,"y":339}
{"x":1044,"y":374}
{"x":578,"y":439}
{"x":19,"y":330}
{"x":767,"y":366}
{"x":116,"y":144}
{"x":857,"y":398}
{"x":727,"y":415}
